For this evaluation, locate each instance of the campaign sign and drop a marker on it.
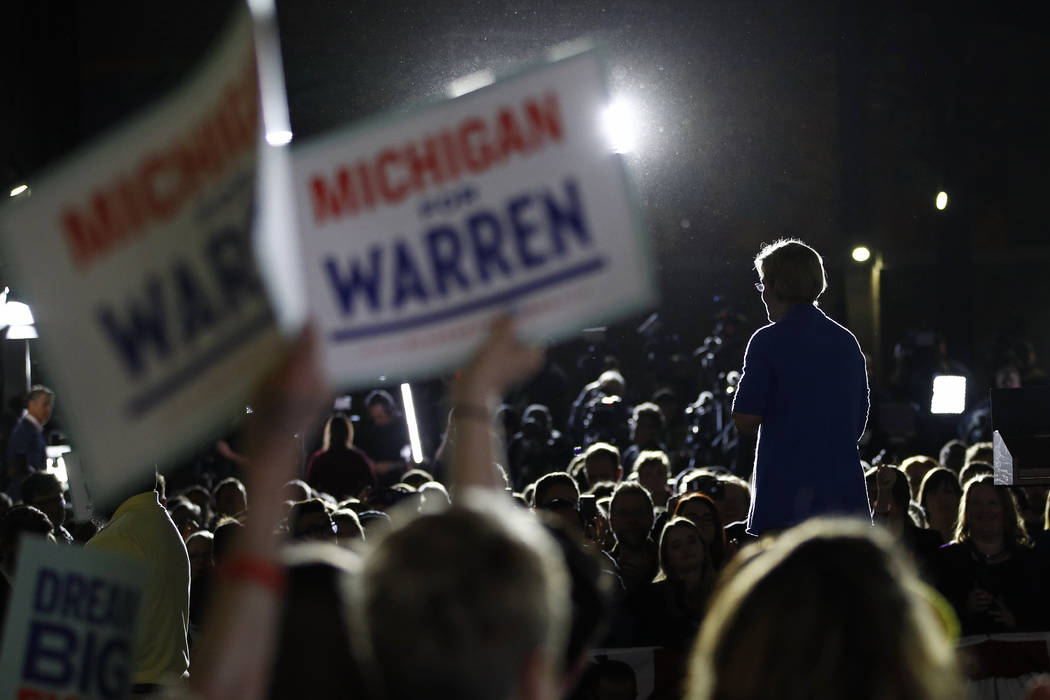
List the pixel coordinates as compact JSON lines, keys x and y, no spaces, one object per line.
{"x":418,"y":229}
{"x":136,"y":258}
{"x":70,"y":630}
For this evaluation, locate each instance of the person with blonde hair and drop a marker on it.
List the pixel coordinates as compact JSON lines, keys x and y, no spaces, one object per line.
{"x":804,"y":391}
{"x":826,"y":610}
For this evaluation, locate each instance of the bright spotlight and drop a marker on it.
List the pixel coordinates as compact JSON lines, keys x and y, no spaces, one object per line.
{"x":619,"y":122}
{"x":413,"y":427}
{"x":15,"y":191}
{"x":279,"y":137}
{"x":470,"y":83}
{"x":949,"y":394}
{"x":861,"y":253}
{"x":942,"y":201}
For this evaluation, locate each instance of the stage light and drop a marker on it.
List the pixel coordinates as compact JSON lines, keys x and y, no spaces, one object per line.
{"x":15,"y":191}
{"x":941,"y":201}
{"x":620,"y":124}
{"x":279,"y":137}
{"x":16,"y":313}
{"x":470,"y":83}
{"x":413,"y":427}
{"x":861,"y":254}
{"x":21,"y":333}
{"x":949,"y":394}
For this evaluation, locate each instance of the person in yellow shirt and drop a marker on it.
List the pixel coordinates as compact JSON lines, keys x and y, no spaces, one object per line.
{"x":141,"y":528}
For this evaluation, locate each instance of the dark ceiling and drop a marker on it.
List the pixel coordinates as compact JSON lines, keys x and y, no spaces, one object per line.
{"x":834,"y":121}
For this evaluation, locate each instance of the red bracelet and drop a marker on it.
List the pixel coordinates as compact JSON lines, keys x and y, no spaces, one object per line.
{"x":248,"y":569}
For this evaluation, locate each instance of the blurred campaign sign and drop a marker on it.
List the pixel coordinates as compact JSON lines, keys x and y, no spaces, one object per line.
{"x":418,"y":229}
{"x":136,"y":257}
{"x":71,"y":622}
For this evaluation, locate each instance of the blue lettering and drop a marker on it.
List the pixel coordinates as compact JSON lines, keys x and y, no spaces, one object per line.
{"x":195,"y":311}
{"x":114,"y":666}
{"x":87,"y":666}
{"x":523,"y":231}
{"x":145,"y":326}
{"x":47,"y":587}
{"x":566,"y":217}
{"x":444,"y":247}
{"x":230,"y":261}
{"x":360,"y":280}
{"x":487,"y":237}
{"x":49,"y":652}
{"x":407,"y":282}
{"x":73,"y":600}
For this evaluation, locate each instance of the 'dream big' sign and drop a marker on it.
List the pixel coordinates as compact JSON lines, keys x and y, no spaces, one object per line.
{"x":417,"y":230}
{"x":71,"y":624}
{"x":135,"y":256}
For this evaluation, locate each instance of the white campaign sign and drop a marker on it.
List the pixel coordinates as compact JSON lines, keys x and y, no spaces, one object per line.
{"x":417,"y":230}
{"x":136,"y":258}
{"x":71,"y":624}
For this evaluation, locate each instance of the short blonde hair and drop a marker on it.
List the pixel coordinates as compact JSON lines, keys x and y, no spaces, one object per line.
{"x":793,"y":270}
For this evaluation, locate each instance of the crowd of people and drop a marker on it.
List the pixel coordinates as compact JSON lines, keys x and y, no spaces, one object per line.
{"x":496,"y":573}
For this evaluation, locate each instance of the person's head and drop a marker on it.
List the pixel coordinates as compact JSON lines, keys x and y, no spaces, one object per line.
{"x":416,"y":478}
{"x":916,"y":467}
{"x":40,"y":402}
{"x":19,"y":521}
{"x":653,"y":467}
{"x":736,"y":499}
{"x":381,"y":407}
{"x":226,"y":534}
{"x":231,"y":499}
{"x":309,"y":520}
{"x":186,"y":516}
{"x":42,"y":490}
{"x":558,"y":494}
{"x":295,"y":490}
{"x":939,"y":495}
{"x":474,"y":603}
{"x":646,"y":424}
{"x":989,"y":512}
{"x":1008,"y":377}
{"x":611,"y":383}
{"x":539,"y":415}
{"x":682,"y":551}
{"x":980,"y":452}
{"x":199,"y":547}
{"x":900,"y":492}
{"x":601,"y":462}
{"x":200,"y":497}
{"x":828,"y":610}
{"x":631,"y":514}
{"x":953,"y":455}
{"x":433,"y":497}
{"x":702,"y":511}
{"x":974,"y":470}
{"x":347,"y":527}
{"x":790,"y":273}
{"x":338,"y":433}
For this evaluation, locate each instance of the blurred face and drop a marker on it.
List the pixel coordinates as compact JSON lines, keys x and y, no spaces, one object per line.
{"x":942,"y":502}
{"x":684,"y":551}
{"x":199,"y":549}
{"x":602,"y":468}
{"x":653,"y":476}
{"x":40,"y":408}
{"x":701,"y":515}
{"x":984,"y":511}
{"x":645,"y":430}
{"x":231,"y":501}
{"x":735,"y":504}
{"x":52,"y":503}
{"x":631,"y":519}
{"x":379,"y":414}
{"x":559,"y":492}
{"x":316,"y":526}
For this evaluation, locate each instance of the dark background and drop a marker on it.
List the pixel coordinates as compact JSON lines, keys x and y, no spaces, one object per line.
{"x":837,"y":122}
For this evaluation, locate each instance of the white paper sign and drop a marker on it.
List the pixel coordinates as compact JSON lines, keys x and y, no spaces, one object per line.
{"x":417,"y":230}
{"x":136,"y":258}
{"x":71,"y":623}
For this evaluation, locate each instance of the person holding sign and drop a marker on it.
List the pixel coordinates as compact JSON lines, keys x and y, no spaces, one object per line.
{"x":806,"y":385}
